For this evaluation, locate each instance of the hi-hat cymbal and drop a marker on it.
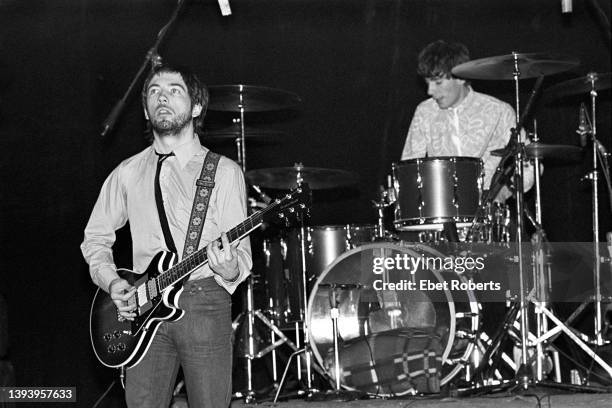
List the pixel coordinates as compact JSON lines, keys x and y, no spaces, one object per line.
{"x":502,"y":67}
{"x":234,"y":98}
{"x":591,"y":81}
{"x":285,"y":178}
{"x":538,"y":150}
{"x":232,"y":133}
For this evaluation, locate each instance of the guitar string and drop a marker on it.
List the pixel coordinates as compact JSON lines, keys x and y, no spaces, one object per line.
{"x":179,"y":270}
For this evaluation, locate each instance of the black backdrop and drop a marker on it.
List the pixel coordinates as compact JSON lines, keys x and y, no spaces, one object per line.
{"x":64,"y":63}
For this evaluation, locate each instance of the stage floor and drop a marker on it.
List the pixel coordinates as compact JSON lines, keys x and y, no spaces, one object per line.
{"x":531,"y":398}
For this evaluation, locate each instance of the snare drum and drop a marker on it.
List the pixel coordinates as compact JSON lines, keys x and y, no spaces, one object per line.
{"x":435,"y":190}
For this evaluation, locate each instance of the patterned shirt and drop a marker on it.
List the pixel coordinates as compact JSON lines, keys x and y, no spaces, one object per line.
{"x":478,"y":125}
{"x":128,"y":195}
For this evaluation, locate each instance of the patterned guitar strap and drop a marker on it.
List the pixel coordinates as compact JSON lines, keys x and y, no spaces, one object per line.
{"x":204,"y":186}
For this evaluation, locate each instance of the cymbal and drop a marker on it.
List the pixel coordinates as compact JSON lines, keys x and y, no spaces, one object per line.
{"x":233,"y":98}
{"x":285,"y":178}
{"x":537,"y":150}
{"x":580,"y":85}
{"x":231,"y":133}
{"x":502,"y":67}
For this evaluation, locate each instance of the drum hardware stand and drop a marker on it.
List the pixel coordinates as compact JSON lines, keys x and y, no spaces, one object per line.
{"x":241,"y":140}
{"x":250,"y":316}
{"x":249,"y":395}
{"x":516,"y":149}
{"x":251,"y":354}
{"x":337,"y":394}
{"x":310,"y":390}
{"x":541,"y":270}
{"x":492,"y":354}
{"x":387,"y":198}
{"x":540,"y":300}
{"x":484,"y":344}
{"x":541,"y":307}
{"x":593,"y":177}
{"x":251,"y":313}
{"x":523,"y":372}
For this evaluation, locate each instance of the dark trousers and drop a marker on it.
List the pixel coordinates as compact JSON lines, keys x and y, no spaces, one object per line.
{"x":199,"y":342}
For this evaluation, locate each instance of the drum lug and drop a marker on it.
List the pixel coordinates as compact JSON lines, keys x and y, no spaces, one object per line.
{"x":461,"y":315}
{"x":462,"y":334}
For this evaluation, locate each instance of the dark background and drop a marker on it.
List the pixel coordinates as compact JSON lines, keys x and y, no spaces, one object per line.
{"x":64,"y":63}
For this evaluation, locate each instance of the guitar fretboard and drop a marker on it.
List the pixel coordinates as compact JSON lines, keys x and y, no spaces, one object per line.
{"x":200,"y":257}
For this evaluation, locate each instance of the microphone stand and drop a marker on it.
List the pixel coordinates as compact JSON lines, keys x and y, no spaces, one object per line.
{"x":151,"y":57}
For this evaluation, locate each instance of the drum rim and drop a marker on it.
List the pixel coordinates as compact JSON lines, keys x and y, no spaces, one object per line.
{"x":439,"y":158}
{"x":432,"y":223}
{"x":333,"y":227}
{"x":452,"y":330}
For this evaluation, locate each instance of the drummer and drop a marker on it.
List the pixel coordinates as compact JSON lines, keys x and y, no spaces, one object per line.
{"x":456,"y":120}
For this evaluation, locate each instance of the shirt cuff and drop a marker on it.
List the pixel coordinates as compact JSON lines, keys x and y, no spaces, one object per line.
{"x":244,"y":266}
{"x":105,"y":275}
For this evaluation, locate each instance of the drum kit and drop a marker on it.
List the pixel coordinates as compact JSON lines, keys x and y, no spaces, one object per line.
{"x":319,"y":283}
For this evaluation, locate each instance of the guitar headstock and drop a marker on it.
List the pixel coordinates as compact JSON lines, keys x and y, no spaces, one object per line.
{"x":289,"y":208}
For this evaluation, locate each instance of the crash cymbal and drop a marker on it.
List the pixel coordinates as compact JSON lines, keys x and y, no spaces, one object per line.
{"x":581,"y":85}
{"x":233,"y":98}
{"x":285,"y":178}
{"x":537,"y":150}
{"x":502,"y":67}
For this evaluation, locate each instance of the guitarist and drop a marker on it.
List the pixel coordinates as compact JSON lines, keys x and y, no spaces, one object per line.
{"x":174,"y":102}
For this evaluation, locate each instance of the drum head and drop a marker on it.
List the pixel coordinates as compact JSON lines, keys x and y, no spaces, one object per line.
{"x":358,"y":282}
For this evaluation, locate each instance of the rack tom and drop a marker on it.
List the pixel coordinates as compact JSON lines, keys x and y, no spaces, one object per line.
{"x":435,"y":190}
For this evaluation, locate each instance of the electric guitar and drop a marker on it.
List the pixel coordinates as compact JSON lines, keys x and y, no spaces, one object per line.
{"x":119,"y":342}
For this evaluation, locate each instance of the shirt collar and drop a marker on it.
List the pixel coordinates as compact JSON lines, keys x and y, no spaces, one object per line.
{"x":186,"y":151}
{"x":465,"y":102}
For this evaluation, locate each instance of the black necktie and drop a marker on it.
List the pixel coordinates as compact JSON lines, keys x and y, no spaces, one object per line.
{"x":159,"y":201}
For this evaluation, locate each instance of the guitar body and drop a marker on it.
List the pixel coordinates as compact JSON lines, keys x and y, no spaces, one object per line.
{"x":118,"y":342}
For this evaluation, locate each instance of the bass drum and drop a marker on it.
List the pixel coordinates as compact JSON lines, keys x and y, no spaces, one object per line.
{"x":355,"y":282}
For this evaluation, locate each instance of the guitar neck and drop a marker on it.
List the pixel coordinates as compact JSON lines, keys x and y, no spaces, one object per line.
{"x":200,"y":257}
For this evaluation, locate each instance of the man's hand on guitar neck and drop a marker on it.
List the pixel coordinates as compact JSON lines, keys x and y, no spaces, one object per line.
{"x":120,"y":291}
{"x":223,"y":259}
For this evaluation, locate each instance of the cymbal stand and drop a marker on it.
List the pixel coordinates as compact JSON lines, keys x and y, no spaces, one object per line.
{"x":240,"y":140}
{"x":522,"y":373}
{"x":304,"y":351}
{"x":541,"y":271}
{"x":594,"y":178}
{"x":304,"y":281}
{"x":250,"y":313}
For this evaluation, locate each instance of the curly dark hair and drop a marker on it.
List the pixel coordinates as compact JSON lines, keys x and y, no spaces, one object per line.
{"x":198,"y":92}
{"x":438,"y":58}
